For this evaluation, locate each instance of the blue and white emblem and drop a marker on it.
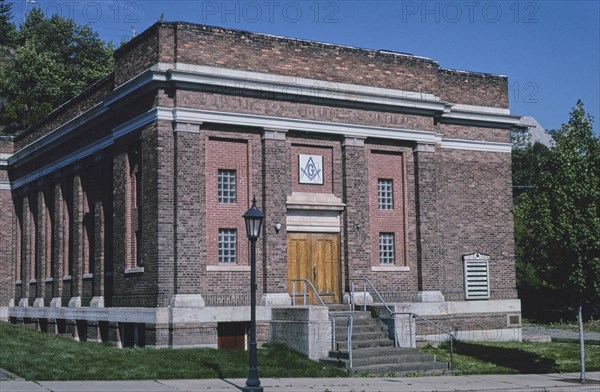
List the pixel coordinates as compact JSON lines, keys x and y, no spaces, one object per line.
{"x":310,"y":169}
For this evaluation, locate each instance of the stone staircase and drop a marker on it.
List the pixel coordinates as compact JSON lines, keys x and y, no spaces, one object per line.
{"x":373,"y":352}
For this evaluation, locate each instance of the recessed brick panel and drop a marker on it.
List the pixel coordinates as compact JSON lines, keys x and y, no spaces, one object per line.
{"x":228,"y":154}
{"x":387,"y":165}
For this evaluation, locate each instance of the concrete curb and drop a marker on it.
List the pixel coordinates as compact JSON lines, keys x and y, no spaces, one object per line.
{"x":5,"y":375}
{"x":487,"y":383}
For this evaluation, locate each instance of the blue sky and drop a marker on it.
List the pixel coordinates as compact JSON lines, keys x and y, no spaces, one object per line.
{"x":550,"y":50}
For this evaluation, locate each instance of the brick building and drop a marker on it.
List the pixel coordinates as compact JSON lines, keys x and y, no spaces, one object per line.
{"x":121,"y":211}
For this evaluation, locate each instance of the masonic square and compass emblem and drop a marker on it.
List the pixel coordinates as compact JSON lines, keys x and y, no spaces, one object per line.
{"x":310,"y":169}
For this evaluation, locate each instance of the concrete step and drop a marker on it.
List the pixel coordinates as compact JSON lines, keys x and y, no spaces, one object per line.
{"x":339,"y":308}
{"x":355,"y":315}
{"x":361,"y":336}
{"x":361,"y":328}
{"x":367,"y":343}
{"x":356,"y":321}
{"x":374,"y":351}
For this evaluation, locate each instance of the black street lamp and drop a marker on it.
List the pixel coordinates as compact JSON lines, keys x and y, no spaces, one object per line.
{"x":253,"y":218}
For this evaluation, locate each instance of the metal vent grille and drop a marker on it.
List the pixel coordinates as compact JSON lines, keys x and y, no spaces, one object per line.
{"x":477,"y":279}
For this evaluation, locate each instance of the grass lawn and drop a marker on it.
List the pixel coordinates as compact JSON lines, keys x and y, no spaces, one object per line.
{"x":518,"y":358}
{"x":39,"y":356}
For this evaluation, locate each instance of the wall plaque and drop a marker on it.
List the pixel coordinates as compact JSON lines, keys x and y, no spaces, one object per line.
{"x":310,"y":169}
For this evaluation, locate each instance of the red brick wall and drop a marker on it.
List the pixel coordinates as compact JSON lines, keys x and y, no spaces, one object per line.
{"x":141,"y":53}
{"x":473,"y":88}
{"x":8,"y":232}
{"x":243,"y":50}
{"x":8,"y":243}
{"x":476,"y":217}
{"x":256,"y":52}
{"x":138,"y":289}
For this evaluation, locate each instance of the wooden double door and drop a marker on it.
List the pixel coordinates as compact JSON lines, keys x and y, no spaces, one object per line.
{"x":316,"y":258}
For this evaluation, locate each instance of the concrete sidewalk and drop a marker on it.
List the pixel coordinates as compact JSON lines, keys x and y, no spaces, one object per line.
{"x":531,"y":382}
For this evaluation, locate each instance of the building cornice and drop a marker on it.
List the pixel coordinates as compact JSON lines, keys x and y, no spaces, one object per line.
{"x":271,"y":85}
{"x":481,"y":118}
{"x":200,"y":116}
{"x":179,"y":75}
{"x":350,"y":130}
{"x":476,"y":145}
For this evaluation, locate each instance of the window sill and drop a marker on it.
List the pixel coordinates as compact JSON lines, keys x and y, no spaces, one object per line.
{"x":49,"y":280}
{"x":32,"y":281}
{"x":136,"y":270}
{"x":67,"y":278}
{"x":88,"y":276}
{"x":18,"y":282}
{"x":389,"y":268}
{"x":228,"y":268}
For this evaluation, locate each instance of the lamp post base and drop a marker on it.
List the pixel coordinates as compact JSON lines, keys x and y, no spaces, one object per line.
{"x":252,"y":389}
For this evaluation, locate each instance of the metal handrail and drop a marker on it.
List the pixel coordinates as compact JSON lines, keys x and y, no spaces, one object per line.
{"x":392,"y":314}
{"x":353,"y":305}
{"x":304,"y":293}
{"x":365,"y":281}
{"x":450,"y":334}
{"x":348,"y":339}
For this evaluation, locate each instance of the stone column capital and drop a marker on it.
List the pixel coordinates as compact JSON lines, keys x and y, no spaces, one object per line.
{"x":424,"y":147}
{"x":353,"y":141}
{"x":186,"y":127}
{"x":274,"y":133}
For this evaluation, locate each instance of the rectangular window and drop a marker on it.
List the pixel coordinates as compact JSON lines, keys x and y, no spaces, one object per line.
{"x":226,"y":187}
{"x":228,"y":246}
{"x":386,"y":248}
{"x":385,"y":194}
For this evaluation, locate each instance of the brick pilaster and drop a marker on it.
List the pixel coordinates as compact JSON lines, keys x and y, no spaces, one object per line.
{"x":25,"y":248}
{"x":356,"y":223}
{"x":429,"y":257}
{"x":78,"y":212}
{"x":99,"y":248}
{"x":190,"y":207}
{"x":43,"y":243}
{"x":276,"y":187}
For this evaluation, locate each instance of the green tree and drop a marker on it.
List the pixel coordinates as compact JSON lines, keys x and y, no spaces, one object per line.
{"x":7,"y":29}
{"x":528,"y":164}
{"x":55,"y":60}
{"x":558,"y":224}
